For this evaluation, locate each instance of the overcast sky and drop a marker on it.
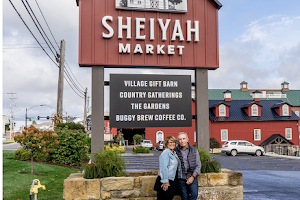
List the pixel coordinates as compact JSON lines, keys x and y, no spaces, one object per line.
{"x":259,"y":43}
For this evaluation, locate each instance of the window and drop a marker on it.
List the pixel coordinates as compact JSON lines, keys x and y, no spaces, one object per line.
{"x":233,"y":143}
{"x":297,"y":113}
{"x":248,"y":144}
{"x":244,"y":85}
{"x":285,"y":110}
{"x":257,"y":135}
{"x":288,"y":133}
{"x":224,"y":135}
{"x":222,"y":111}
{"x":254,"y":110}
{"x":242,"y":143}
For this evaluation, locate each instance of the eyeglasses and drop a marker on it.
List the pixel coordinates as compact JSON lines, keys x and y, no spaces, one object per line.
{"x":171,"y":142}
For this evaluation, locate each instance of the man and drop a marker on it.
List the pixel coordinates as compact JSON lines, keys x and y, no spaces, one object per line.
{"x":190,"y":165}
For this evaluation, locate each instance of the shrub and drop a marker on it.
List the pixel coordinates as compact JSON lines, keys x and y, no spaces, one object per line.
{"x":208,"y":164}
{"x":25,"y":155}
{"x":42,"y":157}
{"x":141,"y":150}
{"x":137,"y":138}
{"x":18,"y":153}
{"x":73,"y":148}
{"x":119,"y":149}
{"x":107,"y":163}
{"x":70,"y":125}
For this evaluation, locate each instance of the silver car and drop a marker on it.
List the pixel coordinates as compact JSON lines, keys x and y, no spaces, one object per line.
{"x":147,"y":143}
{"x":234,"y":147}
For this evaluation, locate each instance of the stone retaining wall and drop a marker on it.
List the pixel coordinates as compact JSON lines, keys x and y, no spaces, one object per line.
{"x":139,"y":186}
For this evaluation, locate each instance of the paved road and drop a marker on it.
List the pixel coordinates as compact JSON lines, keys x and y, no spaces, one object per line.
{"x":264,"y":178}
{"x":247,"y":162}
{"x":11,"y":146}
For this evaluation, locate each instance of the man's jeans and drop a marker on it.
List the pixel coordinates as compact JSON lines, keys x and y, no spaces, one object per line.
{"x":189,"y":192}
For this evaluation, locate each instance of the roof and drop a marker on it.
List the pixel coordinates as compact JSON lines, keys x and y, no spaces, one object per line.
{"x":272,"y":138}
{"x":251,"y":103}
{"x":221,"y":102}
{"x":293,"y":97}
{"x":244,"y":82}
{"x":277,"y":105}
{"x":217,"y":4}
{"x":236,"y":113}
{"x":236,"y":94}
{"x":284,"y":83}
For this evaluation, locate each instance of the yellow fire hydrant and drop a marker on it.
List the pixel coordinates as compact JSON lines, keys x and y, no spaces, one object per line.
{"x":36,"y":184}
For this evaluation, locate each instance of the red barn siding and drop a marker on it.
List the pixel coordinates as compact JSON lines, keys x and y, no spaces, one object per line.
{"x":245,"y":130}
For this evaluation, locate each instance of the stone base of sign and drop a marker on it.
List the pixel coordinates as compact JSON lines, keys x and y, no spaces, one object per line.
{"x":139,"y":186}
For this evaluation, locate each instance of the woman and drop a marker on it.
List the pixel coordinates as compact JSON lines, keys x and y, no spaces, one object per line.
{"x":167,"y":185}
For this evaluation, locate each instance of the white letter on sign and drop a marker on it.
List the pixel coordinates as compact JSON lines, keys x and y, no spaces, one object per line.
{"x":108,"y":27}
{"x":164,"y":28}
{"x":177,"y":31}
{"x":138,"y":49}
{"x":123,"y":49}
{"x":160,"y":49}
{"x":194,"y":30}
{"x":149,"y":48}
{"x":121,"y":27}
{"x":139,"y":27}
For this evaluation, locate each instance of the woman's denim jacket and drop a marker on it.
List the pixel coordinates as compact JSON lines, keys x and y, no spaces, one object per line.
{"x":168,"y":166}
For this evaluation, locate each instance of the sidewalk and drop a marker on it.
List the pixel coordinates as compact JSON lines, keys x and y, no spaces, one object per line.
{"x":281,"y":156}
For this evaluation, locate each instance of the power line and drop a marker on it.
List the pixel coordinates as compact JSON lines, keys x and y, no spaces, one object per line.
{"x":55,"y":54}
{"x":31,"y":32}
{"x":72,"y":87}
{"x":72,"y":81}
{"x":46,"y":22}
{"x":73,"y":75}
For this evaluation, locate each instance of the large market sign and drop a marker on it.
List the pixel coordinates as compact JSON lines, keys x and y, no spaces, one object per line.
{"x":138,"y":100}
{"x":160,"y":33}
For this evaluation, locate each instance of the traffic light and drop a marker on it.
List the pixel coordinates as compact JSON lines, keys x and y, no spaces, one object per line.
{"x":38,"y":117}
{"x":48,"y":117}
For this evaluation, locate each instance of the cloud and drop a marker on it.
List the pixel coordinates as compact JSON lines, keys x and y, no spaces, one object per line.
{"x":265,"y":55}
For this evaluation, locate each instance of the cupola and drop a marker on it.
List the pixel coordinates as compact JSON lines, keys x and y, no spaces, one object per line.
{"x":285,"y":86}
{"x":244,"y":86}
{"x":227,"y":95}
{"x":256,"y":95}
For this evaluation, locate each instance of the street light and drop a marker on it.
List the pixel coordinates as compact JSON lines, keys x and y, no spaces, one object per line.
{"x":33,"y":107}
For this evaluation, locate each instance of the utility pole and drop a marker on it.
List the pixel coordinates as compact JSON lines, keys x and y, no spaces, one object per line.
{"x":12,"y":105}
{"x":61,"y":78}
{"x":84,"y":114}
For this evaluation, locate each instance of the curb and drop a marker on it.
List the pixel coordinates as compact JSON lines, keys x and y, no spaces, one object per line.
{"x":282,"y":156}
{"x":137,"y":154}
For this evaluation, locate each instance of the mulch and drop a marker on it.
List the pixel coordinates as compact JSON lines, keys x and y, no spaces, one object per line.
{"x":59,"y":164}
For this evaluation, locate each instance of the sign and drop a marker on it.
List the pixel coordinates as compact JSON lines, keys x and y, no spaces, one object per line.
{"x":112,"y":36}
{"x":153,"y":5}
{"x":107,"y":127}
{"x":138,"y":100}
{"x":32,"y":118}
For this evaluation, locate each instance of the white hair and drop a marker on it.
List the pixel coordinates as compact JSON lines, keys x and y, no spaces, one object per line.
{"x":182,"y":133}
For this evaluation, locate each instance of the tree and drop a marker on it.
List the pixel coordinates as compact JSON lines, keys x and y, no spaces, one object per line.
{"x":214,"y":143}
{"x":35,"y":140}
{"x":137,"y":138}
{"x":33,"y":122}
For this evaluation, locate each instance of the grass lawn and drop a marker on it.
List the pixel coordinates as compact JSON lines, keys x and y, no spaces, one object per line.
{"x":17,"y":179}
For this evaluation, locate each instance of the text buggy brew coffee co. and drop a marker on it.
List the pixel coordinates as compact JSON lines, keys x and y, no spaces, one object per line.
{"x":150,"y":100}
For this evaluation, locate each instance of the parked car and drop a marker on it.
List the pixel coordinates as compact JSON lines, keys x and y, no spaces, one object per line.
{"x":3,"y":139}
{"x":147,"y":143}
{"x":160,"y":145}
{"x":234,"y":147}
